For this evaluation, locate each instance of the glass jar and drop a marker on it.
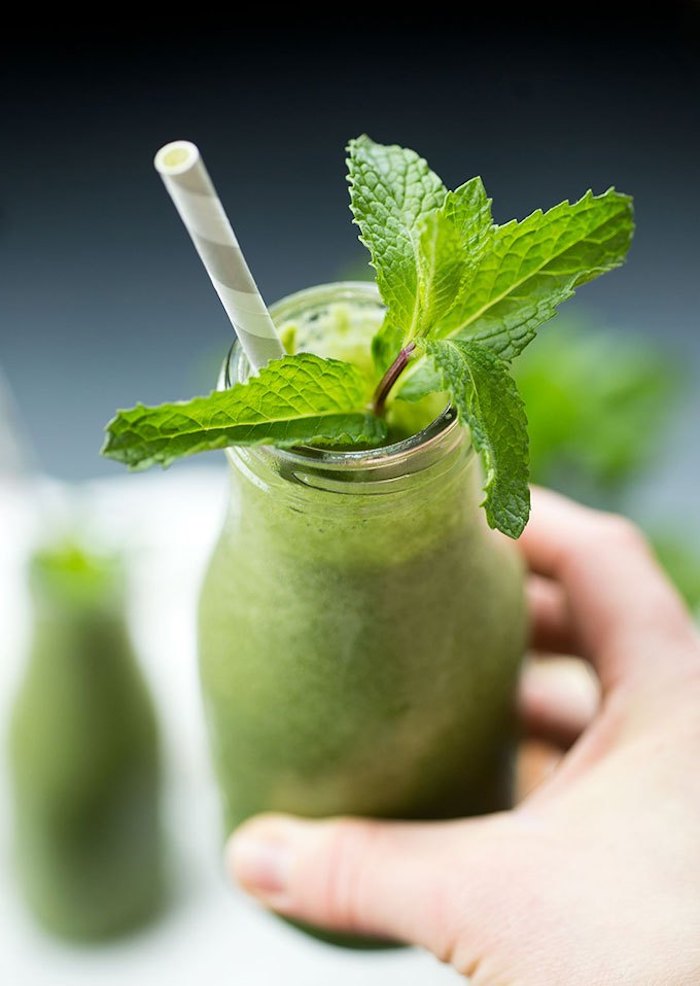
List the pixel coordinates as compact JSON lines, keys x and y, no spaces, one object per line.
{"x":84,"y":757}
{"x":360,"y":627}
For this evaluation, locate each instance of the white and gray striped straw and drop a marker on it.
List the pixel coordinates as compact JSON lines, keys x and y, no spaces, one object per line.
{"x":181,"y":167}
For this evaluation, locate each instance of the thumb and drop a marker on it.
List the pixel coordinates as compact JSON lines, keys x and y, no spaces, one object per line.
{"x":412,"y":881}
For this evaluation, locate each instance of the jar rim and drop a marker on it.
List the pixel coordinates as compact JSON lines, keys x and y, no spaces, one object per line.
{"x":444,"y":427}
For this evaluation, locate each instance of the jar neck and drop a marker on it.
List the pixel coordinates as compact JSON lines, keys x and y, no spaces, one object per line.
{"x":420,"y":461}
{"x":428,"y":460}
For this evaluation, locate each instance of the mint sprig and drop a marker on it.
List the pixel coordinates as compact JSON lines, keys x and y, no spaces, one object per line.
{"x":492,"y":286}
{"x":295,"y":400}
{"x":463,"y":298}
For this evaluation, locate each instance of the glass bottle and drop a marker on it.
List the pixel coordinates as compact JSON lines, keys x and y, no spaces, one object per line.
{"x":360,"y":627}
{"x":84,"y":756}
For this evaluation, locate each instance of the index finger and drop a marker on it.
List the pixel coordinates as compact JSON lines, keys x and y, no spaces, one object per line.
{"x":627,"y":615}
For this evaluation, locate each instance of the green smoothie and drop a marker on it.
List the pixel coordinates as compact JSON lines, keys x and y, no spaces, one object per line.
{"x":360,"y":627}
{"x":84,"y":757}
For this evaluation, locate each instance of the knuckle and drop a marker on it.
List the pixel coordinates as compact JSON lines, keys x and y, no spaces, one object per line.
{"x":619,"y":530}
{"x":347,"y":865}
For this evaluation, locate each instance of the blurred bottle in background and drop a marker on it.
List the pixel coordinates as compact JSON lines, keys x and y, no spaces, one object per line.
{"x":84,"y":755}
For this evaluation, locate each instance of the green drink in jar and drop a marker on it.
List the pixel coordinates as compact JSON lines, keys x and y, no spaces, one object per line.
{"x":354,"y":653}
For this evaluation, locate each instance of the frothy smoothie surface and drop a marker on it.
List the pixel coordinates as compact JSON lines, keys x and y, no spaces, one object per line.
{"x":344,"y":331}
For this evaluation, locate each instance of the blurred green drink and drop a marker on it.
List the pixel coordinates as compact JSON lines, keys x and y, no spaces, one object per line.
{"x":84,"y":756}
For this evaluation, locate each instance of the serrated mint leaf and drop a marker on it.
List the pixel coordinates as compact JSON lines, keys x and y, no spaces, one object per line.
{"x":391,"y":189}
{"x":452,"y":241}
{"x":469,"y":209}
{"x":486,"y":399}
{"x":295,"y":400}
{"x":441,"y":263}
{"x":530,"y":267}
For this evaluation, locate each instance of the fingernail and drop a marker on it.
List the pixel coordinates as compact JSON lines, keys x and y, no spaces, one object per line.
{"x":261,"y":865}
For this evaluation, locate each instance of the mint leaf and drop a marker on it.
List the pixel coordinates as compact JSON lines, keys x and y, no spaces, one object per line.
{"x":441,"y":262}
{"x":469,"y":209}
{"x":295,"y":400}
{"x":486,"y":399}
{"x":452,"y":239}
{"x":528,"y":268}
{"x":391,"y":189}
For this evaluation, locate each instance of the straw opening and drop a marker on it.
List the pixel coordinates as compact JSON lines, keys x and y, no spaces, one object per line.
{"x":176,"y":158}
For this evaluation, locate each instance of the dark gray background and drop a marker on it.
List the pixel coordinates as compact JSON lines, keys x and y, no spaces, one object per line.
{"x":103,"y":301}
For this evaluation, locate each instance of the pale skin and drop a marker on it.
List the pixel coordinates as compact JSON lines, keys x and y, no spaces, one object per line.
{"x":594,"y":878}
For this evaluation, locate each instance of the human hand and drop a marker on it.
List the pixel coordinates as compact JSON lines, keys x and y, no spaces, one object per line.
{"x":595,"y":877}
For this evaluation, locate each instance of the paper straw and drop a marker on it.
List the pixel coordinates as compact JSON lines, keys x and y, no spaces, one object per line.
{"x":181,"y":167}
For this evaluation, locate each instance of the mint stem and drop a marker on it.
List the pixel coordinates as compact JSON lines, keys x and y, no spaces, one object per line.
{"x":390,"y":378}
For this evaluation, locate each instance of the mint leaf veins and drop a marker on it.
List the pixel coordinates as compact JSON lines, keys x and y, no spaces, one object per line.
{"x":463,"y":297}
{"x":294,"y":400}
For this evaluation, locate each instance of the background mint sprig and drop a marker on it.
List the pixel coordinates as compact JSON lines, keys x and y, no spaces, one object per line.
{"x":463,"y":297}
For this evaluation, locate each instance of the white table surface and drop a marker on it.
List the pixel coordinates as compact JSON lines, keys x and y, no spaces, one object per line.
{"x":166,"y":522}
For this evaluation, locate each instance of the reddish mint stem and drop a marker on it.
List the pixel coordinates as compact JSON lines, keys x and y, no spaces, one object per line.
{"x":390,"y":378}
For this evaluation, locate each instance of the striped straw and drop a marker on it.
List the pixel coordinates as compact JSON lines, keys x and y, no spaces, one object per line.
{"x":181,"y":167}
